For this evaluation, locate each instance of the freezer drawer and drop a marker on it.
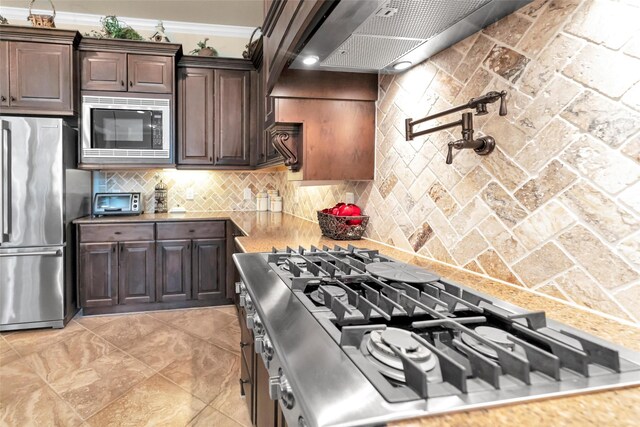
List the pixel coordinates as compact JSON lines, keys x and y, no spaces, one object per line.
{"x":31,"y":288}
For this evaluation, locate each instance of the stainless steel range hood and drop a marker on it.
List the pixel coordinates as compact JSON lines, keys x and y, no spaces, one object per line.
{"x":374,"y":35}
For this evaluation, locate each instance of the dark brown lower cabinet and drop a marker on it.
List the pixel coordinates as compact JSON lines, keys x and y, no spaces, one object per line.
{"x":281,"y":422}
{"x":142,"y":266}
{"x":98,"y":274}
{"x":254,"y":382}
{"x":265,"y":407}
{"x":246,"y":385}
{"x":208,"y":261}
{"x":136,"y":272}
{"x":173,"y":270}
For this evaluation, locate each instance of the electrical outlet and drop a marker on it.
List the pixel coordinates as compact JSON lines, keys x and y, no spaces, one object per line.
{"x":349,"y":198}
{"x":248,"y":194}
{"x":190,"y":194}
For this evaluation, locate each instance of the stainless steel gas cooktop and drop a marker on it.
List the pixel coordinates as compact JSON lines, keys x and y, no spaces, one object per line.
{"x":352,"y":337}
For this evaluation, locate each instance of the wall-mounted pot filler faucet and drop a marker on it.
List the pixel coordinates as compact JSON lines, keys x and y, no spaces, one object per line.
{"x":483,"y":145}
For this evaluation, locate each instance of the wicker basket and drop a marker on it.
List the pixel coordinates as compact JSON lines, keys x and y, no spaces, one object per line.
{"x":338,"y":227}
{"x":42,"y":20}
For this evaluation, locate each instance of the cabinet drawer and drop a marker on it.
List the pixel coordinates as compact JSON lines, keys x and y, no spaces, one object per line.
{"x":190,"y":230}
{"x":116,"y":232}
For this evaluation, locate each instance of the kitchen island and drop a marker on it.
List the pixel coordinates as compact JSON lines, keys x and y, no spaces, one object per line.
{"x":260,"y":231}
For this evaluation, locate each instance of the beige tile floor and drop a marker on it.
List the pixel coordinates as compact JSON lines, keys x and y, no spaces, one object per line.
{"x":169,"y":368}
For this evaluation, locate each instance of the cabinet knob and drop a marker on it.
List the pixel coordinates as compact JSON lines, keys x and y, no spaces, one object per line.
{"x":13,"y":98}
{"x":210,"y":159}
{"x":3,"y":98}
{"x":121,"y":82}
{"x":130,"y":83}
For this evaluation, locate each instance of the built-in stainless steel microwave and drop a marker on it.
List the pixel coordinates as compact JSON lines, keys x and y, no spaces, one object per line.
{"x":125,"y":129}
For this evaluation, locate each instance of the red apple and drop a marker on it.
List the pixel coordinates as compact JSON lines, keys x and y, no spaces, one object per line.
{"x":354,"y":211}
{"x":345,"y":210}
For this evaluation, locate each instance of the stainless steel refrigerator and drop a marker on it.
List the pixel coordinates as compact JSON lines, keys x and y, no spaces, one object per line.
{"x":42,"y":192}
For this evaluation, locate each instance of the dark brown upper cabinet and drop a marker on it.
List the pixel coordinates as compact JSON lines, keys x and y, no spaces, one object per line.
{"x":104,"y":71}
{"x":37,"y":74}
{"x":231,"y":115}
{"x":195,"y":120}
{"x":216,"y":121}
{"x":150,"y":73}
{"x":4,"y":74}
{"x":114,"y":65}
{"x":120,"y":72}
{"x":338,"y":113}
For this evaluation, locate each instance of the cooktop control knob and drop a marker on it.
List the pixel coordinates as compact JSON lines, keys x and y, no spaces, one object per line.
{"x":286,"y":397}
{"x":248,"y":303}
{"x":240,"y":288}
{"x":267,"y":348}
{"x":258,"y":328}
{"x":250,"y":321}
{"x":259,"y":345}
{"x":275,"y":391}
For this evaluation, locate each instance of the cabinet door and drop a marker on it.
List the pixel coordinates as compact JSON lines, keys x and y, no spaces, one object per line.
{"x":40,"y":76}
{"x":98,"y":274}
{"x":246,"y":386}
{"x":208,"y":269}
{"x":195,"y":116}
{"x":104,"y":71}
{"x":232,"y":117}
{"x":281,"y":421}
{"x":150,"y":73}
{"x":136,"y":274}
{"x":173,"y":270}
{"x":265,"y":407}
{"x":4,"y":73}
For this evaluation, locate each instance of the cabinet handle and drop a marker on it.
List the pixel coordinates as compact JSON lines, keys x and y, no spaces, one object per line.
{"x":243,"y":344}
{"x":121,"y":82}
{"x":210,"y":159}
{"x":3,"y":98}
{"x":130,"y":83}
{"x":192,"y":231}
{"x":13,"y":98}
{"x":117,"y":232}
{"x":114,"y":250}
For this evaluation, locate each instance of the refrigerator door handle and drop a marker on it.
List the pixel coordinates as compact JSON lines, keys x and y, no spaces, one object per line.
{"x":5,"y":172}
{"x":57,"y":252}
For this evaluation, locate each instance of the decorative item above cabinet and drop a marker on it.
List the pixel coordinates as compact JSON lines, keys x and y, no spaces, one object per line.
{"x":38,"y":71}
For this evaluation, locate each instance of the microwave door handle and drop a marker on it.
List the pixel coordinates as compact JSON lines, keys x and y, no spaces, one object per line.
{"x":5,"y":172}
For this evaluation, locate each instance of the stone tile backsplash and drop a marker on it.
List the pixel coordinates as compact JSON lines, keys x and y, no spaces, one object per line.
{"x":213,"y":190}
{"x":556,"y":207}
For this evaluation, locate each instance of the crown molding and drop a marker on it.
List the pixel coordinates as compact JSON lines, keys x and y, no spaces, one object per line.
{"x":18,"y":16}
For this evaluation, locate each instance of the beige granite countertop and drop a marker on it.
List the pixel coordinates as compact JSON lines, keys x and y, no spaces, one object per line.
{"x":263,"y":230}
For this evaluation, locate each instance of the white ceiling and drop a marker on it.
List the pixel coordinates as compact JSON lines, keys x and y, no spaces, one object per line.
{"x":247,"y":13}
